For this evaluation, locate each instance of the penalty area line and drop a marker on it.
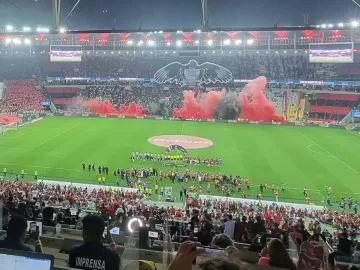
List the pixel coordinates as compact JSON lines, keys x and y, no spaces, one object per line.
{"x":330,"y":154}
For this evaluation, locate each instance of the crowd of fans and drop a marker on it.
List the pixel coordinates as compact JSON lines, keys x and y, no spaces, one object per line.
{"x":21,"y":95}
{"x":268,"y":229}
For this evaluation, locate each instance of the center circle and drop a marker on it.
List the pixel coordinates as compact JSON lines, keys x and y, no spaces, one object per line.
{"x":188,"y":142}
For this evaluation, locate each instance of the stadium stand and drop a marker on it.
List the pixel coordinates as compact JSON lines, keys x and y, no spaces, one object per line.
{"x":21,"y":95}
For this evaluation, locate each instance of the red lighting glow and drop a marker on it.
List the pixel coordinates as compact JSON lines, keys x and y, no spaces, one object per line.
{"x":187,"y":37}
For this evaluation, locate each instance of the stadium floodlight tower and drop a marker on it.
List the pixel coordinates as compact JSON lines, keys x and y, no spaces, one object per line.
{"x":205,"y":15}
{"x":56,"y":13}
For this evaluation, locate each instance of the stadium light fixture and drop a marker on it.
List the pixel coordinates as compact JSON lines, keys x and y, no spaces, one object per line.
{"x":168,"y":43}
{"x":42,"y":30}
{"x":160,"y":32}
{"x":88,"y":52}
{"x":178,"y":43}
{"x":285,"y":51}
{"x":318,"y":26}
{"x":340,"y":24}
{"x":257,"y":52}
{"x":323,"y":25}
{"x":129,"y":42}
{"x":26,"y":29}
{"x":226,"y":42}
{"x":354,"y":24}
{"x":151,"y":43}
{"x":213,"y":51}
{"x":62,"y":30}
{"x":165,"y":52}
{"x":330,"y":25}
{"x":112,"y":52}
{"x":198,"y":31}
{"x":140,"y":43}
{"x":210,"y":42}
{"x":27,"y":41}
{"x":250,"y":42}
{"x":8,"y":40}
{"x":16,"y":41}
{"x":276,"y":52}
{"x":196,"y":42}
{"x":238,"y":41}
{"x":9,"y":28}
{"x":173,"y":52}
{"x":295,"y":51}
{"x":306,"y":51}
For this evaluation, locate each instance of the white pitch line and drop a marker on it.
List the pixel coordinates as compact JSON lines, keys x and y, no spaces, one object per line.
{"x":20,"y":135}
{"x":338,"y":159}
{"x":311,"y":150}
{"x":41,"y":167}
{"x":53,"y":138}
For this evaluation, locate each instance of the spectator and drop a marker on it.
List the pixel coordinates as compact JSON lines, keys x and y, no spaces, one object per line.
{"x":218,"y":263}
{"x":16,"y":232}
{"x":258,"y":227}
{"x":229,"y":227}
{"x":48,"y":213}
{"x":277,"y":256}
{"x":93,"y":254}
{"x":187,"y":253}
{"x":222,"y":241}
{"x":241,"y":229}
{"x":344,"y":246}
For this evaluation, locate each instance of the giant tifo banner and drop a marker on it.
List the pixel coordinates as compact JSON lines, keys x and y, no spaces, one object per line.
{"x":192,"y":74}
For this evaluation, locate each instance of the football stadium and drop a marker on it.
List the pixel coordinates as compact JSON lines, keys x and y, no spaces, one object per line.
{"x":199,"y":148}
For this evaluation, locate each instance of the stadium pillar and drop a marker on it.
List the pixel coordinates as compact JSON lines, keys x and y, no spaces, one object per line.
{"x":56,"y":13}
{"x":205,"y":14}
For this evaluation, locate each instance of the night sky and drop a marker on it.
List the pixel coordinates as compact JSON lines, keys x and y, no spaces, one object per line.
{"x":170,"y":14}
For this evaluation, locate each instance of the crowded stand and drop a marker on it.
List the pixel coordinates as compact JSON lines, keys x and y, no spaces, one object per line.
{"x":21,"y":95}
{"x":218,"y":223}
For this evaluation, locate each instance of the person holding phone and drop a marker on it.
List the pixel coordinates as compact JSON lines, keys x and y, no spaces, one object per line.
{"x":16,"y":233}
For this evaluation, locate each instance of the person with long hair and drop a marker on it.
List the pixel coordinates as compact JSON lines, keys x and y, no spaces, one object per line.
{"x":276,"y":256}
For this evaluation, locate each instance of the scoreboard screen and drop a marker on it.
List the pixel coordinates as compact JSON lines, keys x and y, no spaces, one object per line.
{"x":64,"y":53}
{"x":331,"y":52}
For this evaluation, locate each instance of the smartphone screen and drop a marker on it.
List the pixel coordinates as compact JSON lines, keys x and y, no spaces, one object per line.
{"x":33,"y":227}
{"x":209,"y":252}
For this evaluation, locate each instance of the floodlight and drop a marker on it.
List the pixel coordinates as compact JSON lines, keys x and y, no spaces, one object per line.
{"x":27,"y":41}
{"x":26,"y":29}
{"x":323,"y":26}
{"x":238,"y":41}
{"x":8,"y":40}
{"x":196,"y":42}
{"x":354,"y":24}
{"x":340,"y":24}
{"x":140,"y":43}
{"x":9,"y":28}
{"x":330,"y":25}
{"x":62,"y":30}
{"x":210,"y":42}
{"x":178,"y":43}
{"x":151,"y":43}
{"x":226,"y":42}
{"x":129,"y":42}
{"x":250,"y":41}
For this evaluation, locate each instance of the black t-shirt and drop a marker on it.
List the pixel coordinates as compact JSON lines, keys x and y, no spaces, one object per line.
{"x":92,"y":255}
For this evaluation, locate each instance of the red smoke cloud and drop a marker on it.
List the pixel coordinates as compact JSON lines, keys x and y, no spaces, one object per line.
{"x":107,"y":108}
{"x":202,"y":107}
{"x":8,"y":119}
{"x":253,"y":102}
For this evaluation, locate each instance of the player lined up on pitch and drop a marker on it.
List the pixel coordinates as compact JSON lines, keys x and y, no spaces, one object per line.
{"x":176,"y":158}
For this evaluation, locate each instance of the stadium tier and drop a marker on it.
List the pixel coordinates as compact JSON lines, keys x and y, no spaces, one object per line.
{"x":236,"y":140}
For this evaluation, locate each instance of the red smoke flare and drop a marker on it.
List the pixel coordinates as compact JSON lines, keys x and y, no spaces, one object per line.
{"x":254,"y":104}
{"x":107,"y":108}
{"x":8,"y":119}
{"x":201,"y":108}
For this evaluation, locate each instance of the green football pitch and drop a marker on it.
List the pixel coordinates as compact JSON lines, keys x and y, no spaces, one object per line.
{"x":294,"y":156}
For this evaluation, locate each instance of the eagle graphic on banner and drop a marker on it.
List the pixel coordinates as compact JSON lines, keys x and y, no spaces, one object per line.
{"x":192,"y":74}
